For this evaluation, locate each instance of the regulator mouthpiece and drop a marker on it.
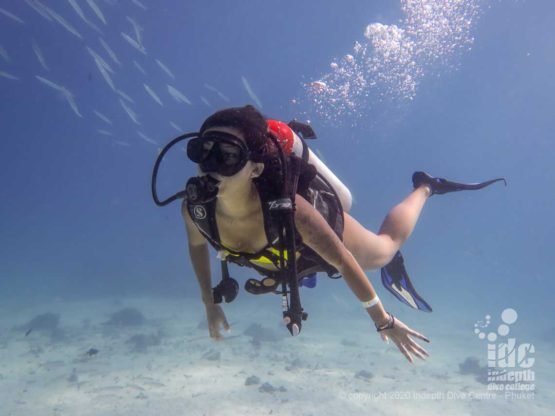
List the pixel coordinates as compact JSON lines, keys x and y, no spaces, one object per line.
{"x":201,"y":189}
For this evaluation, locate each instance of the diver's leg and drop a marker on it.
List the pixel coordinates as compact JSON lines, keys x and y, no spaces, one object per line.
{"x":373,"y":251}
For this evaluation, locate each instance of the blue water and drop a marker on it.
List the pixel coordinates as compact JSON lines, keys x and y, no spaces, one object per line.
{"x":77,"y":219}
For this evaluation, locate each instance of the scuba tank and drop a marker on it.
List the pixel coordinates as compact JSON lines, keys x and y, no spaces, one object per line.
{"x":288,"y":137}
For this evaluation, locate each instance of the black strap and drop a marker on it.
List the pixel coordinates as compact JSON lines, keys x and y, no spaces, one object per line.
{"x":293,"y":310}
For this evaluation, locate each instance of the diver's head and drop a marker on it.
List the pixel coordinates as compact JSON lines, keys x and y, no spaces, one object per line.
{"x":234,"y":147}
{"x":248,"y":121}
{"x":222,"y":153}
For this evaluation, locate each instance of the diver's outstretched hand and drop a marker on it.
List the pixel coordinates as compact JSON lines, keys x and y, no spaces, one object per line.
{"x":401,"y":334}
{"x":216,"y":318}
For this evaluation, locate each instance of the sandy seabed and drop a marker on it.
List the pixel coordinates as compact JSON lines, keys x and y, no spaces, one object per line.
{"x":338,"y":365}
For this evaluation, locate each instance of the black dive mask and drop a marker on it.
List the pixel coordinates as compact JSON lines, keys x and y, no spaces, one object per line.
{"x":218,"y":152}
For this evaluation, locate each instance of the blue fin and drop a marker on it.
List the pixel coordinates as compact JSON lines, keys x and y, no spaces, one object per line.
{"x":397,"y":281}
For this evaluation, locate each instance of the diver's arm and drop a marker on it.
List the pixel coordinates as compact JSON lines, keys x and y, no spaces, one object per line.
{"x":198,"y":251}
{"x":319,"y":236}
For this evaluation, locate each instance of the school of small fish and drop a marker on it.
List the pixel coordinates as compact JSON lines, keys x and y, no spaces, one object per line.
{"x":77,"y":19}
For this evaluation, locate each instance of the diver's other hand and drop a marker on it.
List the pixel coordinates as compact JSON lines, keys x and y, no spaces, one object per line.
{"x":216,"y":318}
{"x":401,"y":335}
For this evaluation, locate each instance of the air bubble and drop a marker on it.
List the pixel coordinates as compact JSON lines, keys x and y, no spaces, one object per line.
{"x":390,"y":62}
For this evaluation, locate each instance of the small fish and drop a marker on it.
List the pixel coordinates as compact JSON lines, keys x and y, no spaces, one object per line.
{"x":125,"y":96}
{"x":178,"y":95}
{"x":39,"y":8}
{"x":132,"y":115}
{"x":223,"y":97}
{"x":70,"y":99}
{"x":63,"y":22}
{"x":134,"y":43}
{"x":251,"y":92}
{"x":214,"y":89}
{"x":106,"y":75}
{"x":138,"y":3}
{"x":39,"y":55}
{"x":91,"y":351}
{"x":11,"y":16}
{"x":105,"y":132}
{"x":77,"y":9}
{"x":4,"y":54}
{"x":165,"y":69}
{"x":8,"y":76}
{"x":65,"y":92}
{"x":100,"y":60}
{"x":147,"y":139}
{"x":121,"y":143}
{"x":139,"y":67}
{"x":205,"y":101}
{"x":137,"y":28}
{"x":103,"y":117}
{"x":81,"y":14}
{"x":109,"y":51}
{"x":96,"y":10}
{"x":51,"y":84}
{"x":153,"y":94}
{"x":175,"y":126}
{"x":28,"y":331}
{"x":103,"y":68}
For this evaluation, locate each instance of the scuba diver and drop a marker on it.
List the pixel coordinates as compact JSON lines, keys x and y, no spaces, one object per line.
{"x":263,"y":200}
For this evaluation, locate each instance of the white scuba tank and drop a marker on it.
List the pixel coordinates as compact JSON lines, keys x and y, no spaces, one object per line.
{"x":292,"y":143}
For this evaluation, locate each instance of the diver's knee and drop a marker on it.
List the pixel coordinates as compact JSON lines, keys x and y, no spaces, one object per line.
{"x":383,"y":253}
{"x":388,"y":248}
{"x":379,"y":262}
